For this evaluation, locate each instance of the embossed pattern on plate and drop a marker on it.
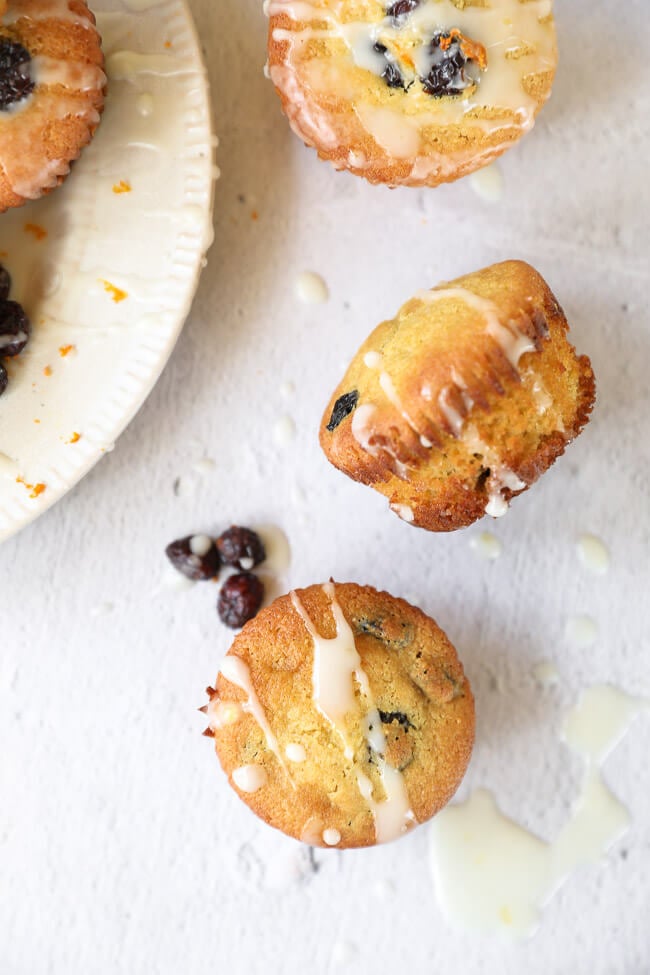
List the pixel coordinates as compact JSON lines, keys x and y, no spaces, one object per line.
{"x":107,"y":266}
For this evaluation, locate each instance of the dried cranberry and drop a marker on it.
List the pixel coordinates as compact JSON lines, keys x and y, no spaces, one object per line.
{"x":448,"y":74}
{"x":344,"y":405}
{"x":240,"y":599}
{"x":5,"y":283}
{"x":241,"y":547}
{"x":391,"y":73}
{"x":15,"y":328}
{"x":4,"y":379}
{"x":15,"y":73}
{"x":401,"y":8}
{"x":195,"y":556}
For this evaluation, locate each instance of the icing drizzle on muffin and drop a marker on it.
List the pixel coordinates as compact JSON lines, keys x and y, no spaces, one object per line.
{"x":450,"y":65}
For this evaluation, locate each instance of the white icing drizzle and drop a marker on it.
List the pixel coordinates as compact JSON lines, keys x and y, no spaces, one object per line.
{"x":491,"y":874}
{"x":74,"y":75}
{"x":336,"y":666}
{"x":403,"y":511}
{"x":512,"y":341}
{"x":235,"y":670}
{"x":517,"y":37}
{"x":501,"y":477}
{"x":250,"y":778}
{"x":593,"y":554}
{"x":311,"y":288}
{"x":222,"y":714}
{"x":127,"y":65}
{"x":331,"y":837}
{"x":295,"y":752}
{"x":200,"y":545}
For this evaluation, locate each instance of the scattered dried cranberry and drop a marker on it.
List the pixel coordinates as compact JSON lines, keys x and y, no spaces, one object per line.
{"x":4,"y":379}
{"x":241,"y":547}
{"x":240,"y":599}
{"x":448,"y":74}
{"x":15,"y":328}
{"x":15,"y":73}
{"x":343,"y":407}
{"x":401,"y":8}
{"x":195,"y":556}
{"x":5,"y":283}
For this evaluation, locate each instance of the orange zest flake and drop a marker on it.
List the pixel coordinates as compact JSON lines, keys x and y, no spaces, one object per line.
{"x":472,"y":50}
{"x":65,"y":350}
{"x":116,"y":293}
{"x":47,"y":371}
{"x":34,"y":489}
{"x":168,"y":44}
{"x":74,"y":438}
{"x":122,"y":187}
{"x":36,"y":420}
{"x":36,"y":229}
{"x":255,"y":215}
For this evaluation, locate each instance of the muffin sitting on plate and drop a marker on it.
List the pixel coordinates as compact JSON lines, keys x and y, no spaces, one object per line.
{"x":411,"y":92}
{"x":51,"y":94}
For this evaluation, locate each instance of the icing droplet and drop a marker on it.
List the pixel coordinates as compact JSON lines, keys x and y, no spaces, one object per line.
{"x":145,"y":105}
{"x":200,"y":545}
{"x":250,"y":778}
{"x":295,"y":752}
{"x":488,"y":183}
{"x":404,"y":512}
{"x":486,"y":545}
{"x":311,"y":288}
{"x":331,"y":837}
{"x":545,"y":672}
{"x":593,"y":554}
{"x":284,"y":431}
{"x":581,"y":631}
{"x":221,"y":714}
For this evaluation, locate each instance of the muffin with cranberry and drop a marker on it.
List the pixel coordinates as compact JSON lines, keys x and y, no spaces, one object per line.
{"x":51,"y":94}
{"x":411,"y":92}
{"x":342,"y":716}
{"x":462,"y":400}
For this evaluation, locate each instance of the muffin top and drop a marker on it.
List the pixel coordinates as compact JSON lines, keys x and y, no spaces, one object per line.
{"x":411,"y":91}
{"x":462,"y":399}
{"x":51,"y":93}
{"x":342,"y":716}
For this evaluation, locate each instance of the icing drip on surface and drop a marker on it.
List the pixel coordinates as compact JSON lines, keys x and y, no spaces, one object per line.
{"x":491,"y":874}
{"x":235,"y":670}
{"x":337,"y":665}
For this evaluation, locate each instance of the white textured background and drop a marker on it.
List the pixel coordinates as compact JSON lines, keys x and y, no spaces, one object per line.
{"x":121,"y":847}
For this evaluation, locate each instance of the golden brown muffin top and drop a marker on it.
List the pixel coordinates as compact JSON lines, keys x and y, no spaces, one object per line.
{"x":342,"y":715}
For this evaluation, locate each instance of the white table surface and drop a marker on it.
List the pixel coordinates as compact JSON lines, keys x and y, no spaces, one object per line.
{"x":122,"y":849}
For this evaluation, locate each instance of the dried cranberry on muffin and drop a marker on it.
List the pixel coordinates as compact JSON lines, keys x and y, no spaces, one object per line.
{"x":462,"y":400}
{"x":411,"y":92}
{"x":342,"y":716}
{"x":51,"y":93}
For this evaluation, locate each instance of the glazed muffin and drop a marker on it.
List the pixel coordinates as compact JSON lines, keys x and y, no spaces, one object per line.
{"x":411,"y":92}
{"x":342,"y":716}
{"x":51,"y":93}
{"x":462,"y":400}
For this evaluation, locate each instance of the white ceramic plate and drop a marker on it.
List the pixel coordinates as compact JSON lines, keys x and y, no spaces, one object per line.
{"x":107,"y":266}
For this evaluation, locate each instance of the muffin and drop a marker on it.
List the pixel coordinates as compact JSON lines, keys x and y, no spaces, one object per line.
{"x":342,"y":716}
{"x":462,"y":400}
{"x":51,"y":93}
{"x":411,"y":92}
